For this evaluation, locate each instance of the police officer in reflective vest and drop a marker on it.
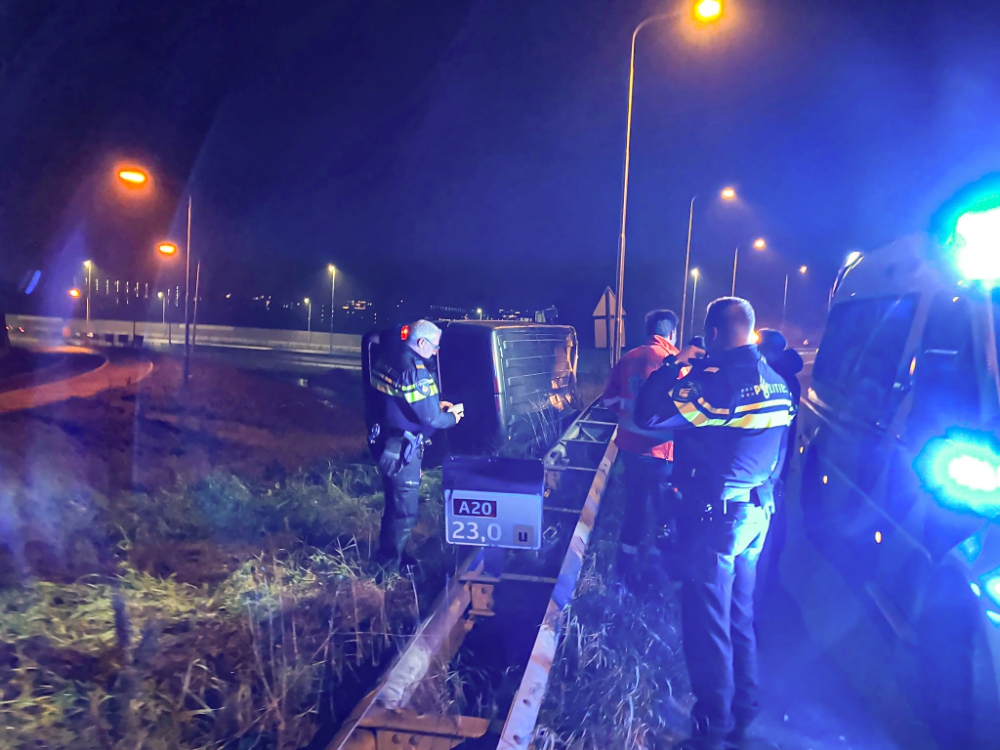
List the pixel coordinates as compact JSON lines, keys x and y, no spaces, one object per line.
{"x":409,"y":412}
{"x":730,"y":415}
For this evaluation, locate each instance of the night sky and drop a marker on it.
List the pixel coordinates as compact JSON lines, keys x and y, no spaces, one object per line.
{"x":466,"y":152}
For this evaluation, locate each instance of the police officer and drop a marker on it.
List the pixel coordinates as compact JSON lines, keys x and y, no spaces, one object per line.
{"x":409,"y":412}
{"x":730,"y":415}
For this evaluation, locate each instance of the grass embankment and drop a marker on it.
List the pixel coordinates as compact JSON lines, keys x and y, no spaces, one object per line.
{"x":189,"y":571}
{"x":619,"y":679}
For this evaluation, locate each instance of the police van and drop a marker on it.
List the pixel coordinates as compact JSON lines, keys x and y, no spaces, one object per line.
{"x":901,"y":461}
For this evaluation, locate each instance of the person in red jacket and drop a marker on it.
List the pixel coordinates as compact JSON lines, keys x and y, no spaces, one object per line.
{"x":647,"y":456}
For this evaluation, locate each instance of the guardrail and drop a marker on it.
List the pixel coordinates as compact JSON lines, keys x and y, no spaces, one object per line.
{"x":62,"y":329}
{"x":576,"y":469}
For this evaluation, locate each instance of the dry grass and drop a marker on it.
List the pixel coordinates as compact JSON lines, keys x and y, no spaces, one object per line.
{"x":131,"y":659}
{"x":619,"y":679}
{"x":191,"y":571}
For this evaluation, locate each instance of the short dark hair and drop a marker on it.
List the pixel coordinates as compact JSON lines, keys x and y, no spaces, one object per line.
{"x":661,"y":322}
{"x":734,"y":317}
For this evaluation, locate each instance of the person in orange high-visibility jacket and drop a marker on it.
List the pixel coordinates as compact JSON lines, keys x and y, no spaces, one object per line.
{"x":646,"y":455}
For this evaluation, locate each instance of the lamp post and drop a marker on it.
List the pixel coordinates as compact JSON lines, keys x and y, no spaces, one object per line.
{"x":727,"y":194}
{"x":332,"y":269}
{"x":89,"y":266}
{"x":309,"y":318}
{"x":784,"y":302}
{"x":705,"y":11}
{"x":163,"y":299}
{"x":758,"y":244}
{"x":479,"y":312}
{"x":694,"y":301}
{"x":133,"y":178}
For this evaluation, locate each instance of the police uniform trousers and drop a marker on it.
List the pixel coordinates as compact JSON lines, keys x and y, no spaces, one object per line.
{"x":647,"y":482}
{"x":720,"y":645}
{"x":402,"y":500}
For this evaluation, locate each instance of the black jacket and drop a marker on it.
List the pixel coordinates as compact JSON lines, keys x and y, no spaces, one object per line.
{"x":730,"y":414}
{"x":409,"y":398}
{"x":788,"y":366}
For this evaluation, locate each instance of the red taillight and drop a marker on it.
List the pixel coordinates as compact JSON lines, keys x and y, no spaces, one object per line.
{"x":404,"y":333}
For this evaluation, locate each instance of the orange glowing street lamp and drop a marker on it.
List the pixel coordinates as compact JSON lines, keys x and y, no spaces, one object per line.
{"x":708,"y":10}
{"x":167,"y":248}
{"x":759,"y":244}
{"x":74,"y":293}
{"x":728,"y":194}
{"x":133,"y":176}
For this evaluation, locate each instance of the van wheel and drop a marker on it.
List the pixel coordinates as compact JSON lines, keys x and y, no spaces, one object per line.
{"x":958,"y":686}
{"x":811,"y":498}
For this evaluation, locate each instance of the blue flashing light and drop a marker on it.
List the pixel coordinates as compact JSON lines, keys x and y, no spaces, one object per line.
{"x":976,"y":245}
{"x":973,"y":473}
{"x":962,"y":470}
{"x":991,"y":585}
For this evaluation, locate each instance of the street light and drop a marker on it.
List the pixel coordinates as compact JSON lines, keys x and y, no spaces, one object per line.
{"x":332,"y":270}
{"x":133,"y":176}
{"x":163,"y":298}
{"x":309,"y":317}
{"x":758,"y":244}
{"x":169,"y":249}
{"x":727,"y":194}
{"x":706,"y":11}
{"x":89,"y":266}
{"x":694,"y":301}
{"x":784,"y":302}
{"x":479,"y":312}
{"x":74,"y":293}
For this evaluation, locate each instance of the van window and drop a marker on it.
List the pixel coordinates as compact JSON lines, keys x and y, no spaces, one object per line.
{"x":848,"y":328}
{"x":879,"y":364}
{"x":945,"y":382}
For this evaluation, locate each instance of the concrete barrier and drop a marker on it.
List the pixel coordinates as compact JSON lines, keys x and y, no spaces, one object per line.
{"x":98,"y":331}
